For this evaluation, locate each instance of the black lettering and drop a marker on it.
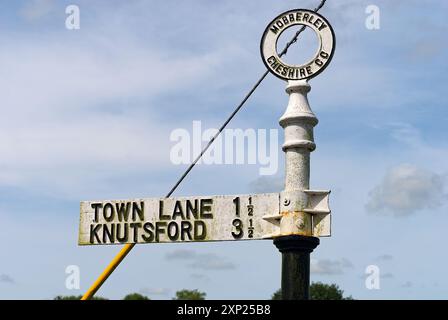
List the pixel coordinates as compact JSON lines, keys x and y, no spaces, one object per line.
{"x":173,"y":235}
{"x":305,"y":17}
{"x":178,"y":210}
{"x":238,"y":224}
{"x":161,"y":215}
{"x":323,"y":26}
{"x":159,"y":229}
{"x":317,"y":22}
{"x":109,"y":234}
{"x":148,"y":227}
{"x":125,"y":237}
{"x":302,"y":72}
{"x":250,"y":209}
{"x":206,"y":208}
{"x":308,"y":69}
{"x":291,"y":73}
{"x":274,"y":62}
{"x":291,"y":17}
{"x":279,"y":68}
{"x":279,"y":24}
{"x":274,"y":29}
{"x":96,"y":206}
{"x":236,"y":201}
{"x":135,"y":226}
{"x":318,"y":62}
{"x":193,"y":210}
{"x":185,"y":229}
{"x":324,"y":55}
{"x":108,"y":207}
{"x":311,"y":19}
{"x":198,"y":224}
{"x":123,"y":211}
{"x":138,"y":211}
{"x":94,"y":233}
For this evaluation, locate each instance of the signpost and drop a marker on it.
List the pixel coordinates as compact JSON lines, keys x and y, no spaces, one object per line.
{"x":294,"y":218}
{"x":185,"y":219}
{"x":299,"y":226}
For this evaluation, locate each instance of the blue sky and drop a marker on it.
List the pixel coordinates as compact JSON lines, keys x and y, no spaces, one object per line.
{"x":87,"y":114}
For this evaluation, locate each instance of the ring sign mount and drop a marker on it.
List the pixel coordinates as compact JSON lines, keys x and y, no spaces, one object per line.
{"x":322,"y":57}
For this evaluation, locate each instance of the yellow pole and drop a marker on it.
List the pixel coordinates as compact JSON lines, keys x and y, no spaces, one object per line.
{"x":107,"y":272}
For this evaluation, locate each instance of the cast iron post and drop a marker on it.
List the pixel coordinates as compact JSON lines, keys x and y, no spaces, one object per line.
{"x":296,"y":226}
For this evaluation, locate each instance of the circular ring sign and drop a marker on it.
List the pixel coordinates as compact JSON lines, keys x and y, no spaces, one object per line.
{"x":317,"y":64}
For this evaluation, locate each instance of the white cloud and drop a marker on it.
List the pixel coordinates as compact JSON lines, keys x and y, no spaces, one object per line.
{"x":200,"y":277}
{"x":387,"y":275}
{"x":72,"y":106}
{"x":36,"y":9}
{"x":267,"y":184}
{"x":385,"y":257}
{"x":406,"y":189}
{"x":407,"y":284}
{"x":4,"y":278}
{"x":155,"y":291}
{"x":211,"y":261}
{"x":204,"y":261}
{"x":407,"y":134}
{"x":330,"y":267}
{"x":180,"y":255}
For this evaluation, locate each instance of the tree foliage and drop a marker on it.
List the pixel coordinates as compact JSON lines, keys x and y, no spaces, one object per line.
{"x":189,"y":295}
{"x":135,"y":296}
{"x":277,"y":295}
{"x":320,"y":291}
{"x":180,"y":295}
{"x":77,"y":298}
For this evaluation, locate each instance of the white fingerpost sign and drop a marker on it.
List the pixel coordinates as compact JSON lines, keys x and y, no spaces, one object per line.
{"x":182,"y":219}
